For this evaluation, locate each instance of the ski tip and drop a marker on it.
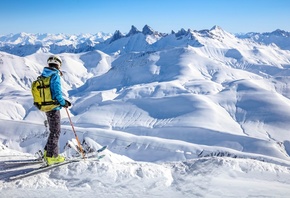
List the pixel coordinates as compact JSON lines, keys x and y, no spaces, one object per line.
{"x":102,"y":149}
{"x":101,"y":156}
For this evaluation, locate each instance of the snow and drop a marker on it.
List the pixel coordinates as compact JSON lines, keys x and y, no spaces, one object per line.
{"x":192,"y":114}
{"x":205,"y":177}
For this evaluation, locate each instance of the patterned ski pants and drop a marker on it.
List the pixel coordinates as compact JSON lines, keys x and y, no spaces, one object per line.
{"x":53,"y":118}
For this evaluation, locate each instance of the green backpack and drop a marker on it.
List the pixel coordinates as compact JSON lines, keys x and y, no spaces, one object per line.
{"x":42,"y":94}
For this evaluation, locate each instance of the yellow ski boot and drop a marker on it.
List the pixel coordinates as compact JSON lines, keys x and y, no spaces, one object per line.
{"x":54,"y":160}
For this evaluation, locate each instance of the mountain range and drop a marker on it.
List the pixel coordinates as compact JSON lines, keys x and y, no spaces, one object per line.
{"x":156,"y":97}
{"x":23,"y":44}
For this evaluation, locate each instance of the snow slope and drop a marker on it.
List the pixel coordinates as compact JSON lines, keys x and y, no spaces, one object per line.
{"x":203,"y":177}
{"x":184,"y":114}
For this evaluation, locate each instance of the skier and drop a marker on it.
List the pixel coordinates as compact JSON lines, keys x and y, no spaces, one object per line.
{"x":51,"y":155}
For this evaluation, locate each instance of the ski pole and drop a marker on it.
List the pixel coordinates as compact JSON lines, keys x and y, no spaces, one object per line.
{"x":79,"y":144}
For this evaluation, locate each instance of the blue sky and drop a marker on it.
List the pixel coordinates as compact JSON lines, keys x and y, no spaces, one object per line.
{"x":92,"y":16}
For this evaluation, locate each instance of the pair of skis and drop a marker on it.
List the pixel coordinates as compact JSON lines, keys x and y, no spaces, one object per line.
{"x":91,"y":156}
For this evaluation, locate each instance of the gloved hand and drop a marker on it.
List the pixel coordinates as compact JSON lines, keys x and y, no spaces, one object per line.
{"x":67,"y":104}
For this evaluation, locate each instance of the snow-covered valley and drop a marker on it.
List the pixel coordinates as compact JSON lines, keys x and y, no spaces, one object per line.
{"x":187,"y":114}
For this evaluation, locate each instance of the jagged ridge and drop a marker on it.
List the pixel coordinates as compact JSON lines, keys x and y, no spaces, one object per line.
{"x":24,"y":44}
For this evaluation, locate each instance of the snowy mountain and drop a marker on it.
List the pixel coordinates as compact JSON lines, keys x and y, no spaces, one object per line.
{"x":24,"y":44}
{"x":277,"y":37}
{"x":191,"y":105}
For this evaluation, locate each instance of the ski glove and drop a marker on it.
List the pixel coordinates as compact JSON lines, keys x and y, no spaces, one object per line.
{"x":67,"y":104}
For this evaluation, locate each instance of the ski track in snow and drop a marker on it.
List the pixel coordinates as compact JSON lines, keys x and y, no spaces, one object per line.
{"x":205,"y":177}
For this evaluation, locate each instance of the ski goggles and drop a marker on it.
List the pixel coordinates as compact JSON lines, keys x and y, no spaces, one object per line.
{"x":54,"y":59}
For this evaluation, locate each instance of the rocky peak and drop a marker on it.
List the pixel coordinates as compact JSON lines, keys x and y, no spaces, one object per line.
{"x":117,"y":35}
{"x":147,"y":30}
{"x":133,"y":31}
